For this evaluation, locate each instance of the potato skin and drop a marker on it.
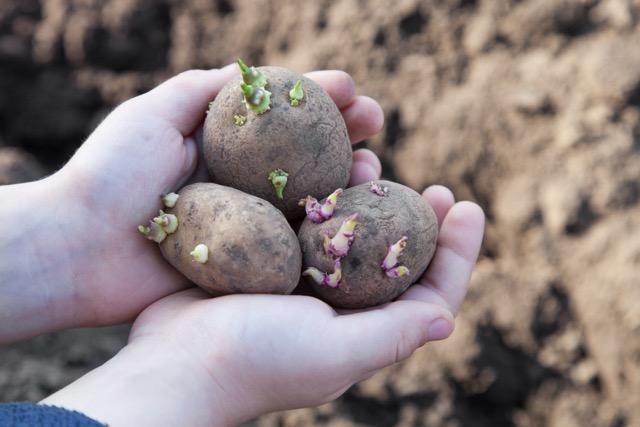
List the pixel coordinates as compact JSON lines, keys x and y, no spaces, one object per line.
{"x":252,"y":248}
{"x":382,"y":222}
{"x":309,"y":141}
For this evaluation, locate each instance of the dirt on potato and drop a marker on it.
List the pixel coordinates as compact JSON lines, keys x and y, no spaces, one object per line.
{"x":529,"y":107}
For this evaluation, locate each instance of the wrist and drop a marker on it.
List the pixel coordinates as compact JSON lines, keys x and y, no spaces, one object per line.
{"x":35,"y":261}
{"x":145,"y":385}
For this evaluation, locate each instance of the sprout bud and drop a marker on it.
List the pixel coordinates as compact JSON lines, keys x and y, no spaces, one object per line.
{"x":339,"y":245}
{"x":296,"y":94}
{"x":278,"y":178}
{"x":168,"y":222}
{"x":200,"y":253}
{"x":315,"y":274}
{"x":398,"y":271}
{"x":251,"y":75}
{"x":390,"y":263}
{"x":239,"y":120}
{"x":153,"y":232}
{"x":324,"y":279}
{"x":169,"y":200}
{"x":320,"y":212}
{"x":378,"y":189}
{"x":333,"y":280}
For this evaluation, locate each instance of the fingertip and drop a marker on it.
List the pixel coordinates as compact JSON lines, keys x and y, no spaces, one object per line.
{"x":440,"y":329}
{"x":375,"y":112}
{"x":338,"y":84}
{"x":362,"y":172}
{"x":441,"y":199}
{"x":424,"y":320}
{"x":468,"y":214}
{"x":368,"y":156}
{"x":364,"y":118}
{"x":462,"y":231}
{"x":439,"y":192}
{"x":380,"y":336}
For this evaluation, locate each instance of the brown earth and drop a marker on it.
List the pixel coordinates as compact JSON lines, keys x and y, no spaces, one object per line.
{"x":530,"y":107}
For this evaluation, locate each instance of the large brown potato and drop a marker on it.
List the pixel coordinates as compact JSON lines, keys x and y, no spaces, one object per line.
{"x":251,"y":248}
{"x":308,"y":141}
{"x":382,"y":221}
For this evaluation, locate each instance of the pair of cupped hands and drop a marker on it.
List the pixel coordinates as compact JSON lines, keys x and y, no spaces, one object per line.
{"x":72,"y":258}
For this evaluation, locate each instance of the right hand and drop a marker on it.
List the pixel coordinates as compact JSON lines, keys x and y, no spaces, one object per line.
{"x":194,"y":360}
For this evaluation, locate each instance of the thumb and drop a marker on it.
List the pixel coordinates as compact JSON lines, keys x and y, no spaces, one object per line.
{"x":182,"y":100}
{"x":374,"y":339}
{"x":191,"y":162}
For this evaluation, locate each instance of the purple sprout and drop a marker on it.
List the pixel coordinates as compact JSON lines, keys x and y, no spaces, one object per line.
{"x":390,"y":264}
{"x":339,"y":245}
{"x":319,"y":212}
{"x":325,"y":279}
{"x":378,"y":189}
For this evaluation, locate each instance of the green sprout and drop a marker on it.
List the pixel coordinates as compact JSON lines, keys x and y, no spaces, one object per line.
{"x":296,"y":94}
{"x":168,"y":222}
{"x":170,"y":200}
{"x":278,"y":178}
{"x":251,"y":75}
{"x":239,"y":119}
{"x":200,"y":253}
{"x":257,"y":99}
{"x":153,"y":232}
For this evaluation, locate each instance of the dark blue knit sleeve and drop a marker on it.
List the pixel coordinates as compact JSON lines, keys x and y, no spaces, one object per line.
{"x":33,"y":415}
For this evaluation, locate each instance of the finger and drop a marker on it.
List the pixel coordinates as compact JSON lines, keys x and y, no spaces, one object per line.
{"x":441,"y":199}
{"x":362,"y":172}
{"x":338,"y":84}
{"x":368,"y":156}
{"x":364,"y":118}
{"x":447,"y":278}
{"x":373,"y":339}
{"x":182,"y":100}
{"x":200,"y":174}
{"x":191,"y":161}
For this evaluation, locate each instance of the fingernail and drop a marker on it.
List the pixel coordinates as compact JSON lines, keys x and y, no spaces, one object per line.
{"x":439,"y":329}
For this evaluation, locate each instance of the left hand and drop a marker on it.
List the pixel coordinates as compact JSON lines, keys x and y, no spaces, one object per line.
{"x":79,"y":225}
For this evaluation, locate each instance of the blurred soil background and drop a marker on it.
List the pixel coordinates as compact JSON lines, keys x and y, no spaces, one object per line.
{"x":529,"y":107}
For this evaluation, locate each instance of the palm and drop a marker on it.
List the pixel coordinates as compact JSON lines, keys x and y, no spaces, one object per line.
{"x":125,"y":180}
{"x":147,"y":147}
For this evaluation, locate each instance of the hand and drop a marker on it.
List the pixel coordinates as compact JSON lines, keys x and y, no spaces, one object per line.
{"x":98,"y":270}
{"x":192,"y":360}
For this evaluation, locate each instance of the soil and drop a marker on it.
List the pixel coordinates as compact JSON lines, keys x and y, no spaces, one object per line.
{"x":529,"y":107}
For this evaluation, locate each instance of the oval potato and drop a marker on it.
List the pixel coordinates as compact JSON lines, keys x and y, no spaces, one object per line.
{"x":310,"y":142}
{"x":251,"y":247}
{"x":382,"y":221}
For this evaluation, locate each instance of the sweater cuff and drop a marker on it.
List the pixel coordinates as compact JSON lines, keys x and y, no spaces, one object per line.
{"x":24,"y":414}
